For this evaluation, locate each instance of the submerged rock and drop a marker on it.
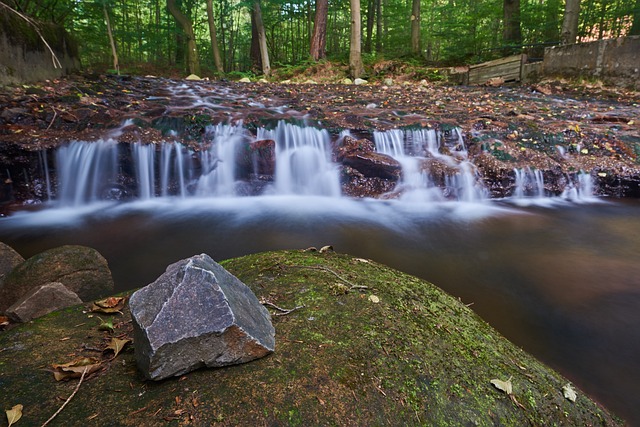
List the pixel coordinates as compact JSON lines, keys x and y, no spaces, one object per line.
{"x":197,"y":314}
{"x":81,"y":269}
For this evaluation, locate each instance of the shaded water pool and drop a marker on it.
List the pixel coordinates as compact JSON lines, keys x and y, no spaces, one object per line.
{"x":560,"y":280}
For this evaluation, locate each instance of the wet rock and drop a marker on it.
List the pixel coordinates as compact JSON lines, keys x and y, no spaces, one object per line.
{"x":258,"y":158}
{"x":245,"y":80}
{"x":9,"y":259}
{"x":374,"y":165}
{"x":351,"y":146}
{"x":81,"y":269}
{"x":42,"y":300}
{"x":194,"y":315}
{"x":360,"y":82}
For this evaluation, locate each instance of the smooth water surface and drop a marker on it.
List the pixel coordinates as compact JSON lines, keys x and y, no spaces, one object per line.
{"x":561,"y":280}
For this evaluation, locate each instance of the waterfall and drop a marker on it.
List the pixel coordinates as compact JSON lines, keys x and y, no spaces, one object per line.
{"x":579,"y":189}
{"x":529,"y":183}
{"x":219,"y":161}
{"x":85,"y":170}
{"x":144,"y":157}
{"x":303,"y":161}
{"x":412,"y":148}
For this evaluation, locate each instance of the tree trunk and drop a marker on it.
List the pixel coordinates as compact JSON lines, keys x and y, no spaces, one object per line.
{"x":379,"y":26}
{"x":319,"y":38}
{"x":214,"y":38}
{"x":635,"y":27}
{"x":511,"y":34}
{"x":356,"y":68}
{"x":254,"y":50}
{"x":371,"y":14}
{"x":193,"y":64}
{"x":415,"y":27}
{"x":262,"y":38}
{"x":114,"y":53}
{"x":569,"y":32}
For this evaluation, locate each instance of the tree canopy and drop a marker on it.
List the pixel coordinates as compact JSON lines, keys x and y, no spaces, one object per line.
{"x":178,"y":33}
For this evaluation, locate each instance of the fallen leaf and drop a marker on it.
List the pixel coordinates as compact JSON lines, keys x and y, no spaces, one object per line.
{"x":109,"y":305}
{"x":4,"y":321}
{"x":569,"y":393}
{"x":106,"y":325}
{"x":14,"y":414}
{"x":374,"y":299}
{"x":116,"y":345}
{"x":75,"y":368}
{"x":503,"y":385}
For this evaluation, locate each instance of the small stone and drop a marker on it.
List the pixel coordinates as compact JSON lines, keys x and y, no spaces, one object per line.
{"x":347,"y":81}
{"x":43,"y":300}
{"x":245,"y":80}
{"x":360,"y":82}
{"x":327,"y":248}
{"x":194,"y":315}
{"x":310,"y":82}
{"x":192,"y":77}
{"x":388,"y":81}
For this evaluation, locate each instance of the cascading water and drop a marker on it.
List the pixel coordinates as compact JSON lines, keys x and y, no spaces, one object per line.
{"x":303,"y":161}
{"x":579,"y":189}
{"x":219,"y":161}
{"x":529,"y":183}
{"x":412,"y":149}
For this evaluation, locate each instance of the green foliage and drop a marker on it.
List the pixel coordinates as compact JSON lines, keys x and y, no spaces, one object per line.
{"x":464,"y":31}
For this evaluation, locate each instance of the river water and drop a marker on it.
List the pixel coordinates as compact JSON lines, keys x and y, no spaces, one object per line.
{"x":560,"y":279}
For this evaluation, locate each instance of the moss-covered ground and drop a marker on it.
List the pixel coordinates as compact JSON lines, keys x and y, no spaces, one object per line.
{"x":398,"y":352}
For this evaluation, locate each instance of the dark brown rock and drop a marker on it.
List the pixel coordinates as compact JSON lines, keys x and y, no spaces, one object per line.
{"x":42,"y":300}
{"x":81,"y":269}
{"x":375,"y":165}
{"x":351,"y":146}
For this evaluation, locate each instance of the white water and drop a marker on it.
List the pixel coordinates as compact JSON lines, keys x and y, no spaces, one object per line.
{"x":413,"y":148}
{"x":529,"y":183}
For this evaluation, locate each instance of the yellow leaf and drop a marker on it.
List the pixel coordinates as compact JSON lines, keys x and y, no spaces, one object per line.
{"x":503,"y":385}
{"x":14,"y":414}
{"x":116,"y":345}
{"x":374,"y":299}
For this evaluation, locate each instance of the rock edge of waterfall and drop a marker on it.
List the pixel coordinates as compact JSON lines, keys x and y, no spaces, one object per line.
{"x":367,"y":345}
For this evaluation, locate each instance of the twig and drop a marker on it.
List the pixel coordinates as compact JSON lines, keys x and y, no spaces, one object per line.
{"x":69,"y":398}
{"x":283,"y":311}
{"x":319,"y":267}
{"x":55,"y":114}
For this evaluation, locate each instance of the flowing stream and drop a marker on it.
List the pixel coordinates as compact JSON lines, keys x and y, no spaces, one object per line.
{"x":557,"y":275}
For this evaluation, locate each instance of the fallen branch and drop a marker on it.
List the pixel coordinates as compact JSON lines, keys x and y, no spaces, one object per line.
{"x":319,"y":267}
{"x":69,"y":398}
{"x":283,"y":311}
{"x":54,"y":58}
{"x":55,"y":114}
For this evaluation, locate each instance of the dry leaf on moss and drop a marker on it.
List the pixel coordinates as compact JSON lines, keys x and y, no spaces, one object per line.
{"x":116,"y":345}
{"x":569,"y":393}
{"x":75,"y":368}
{"x":109,"y":305}
{"x":503,"y":385}
{"x":14,"y":414}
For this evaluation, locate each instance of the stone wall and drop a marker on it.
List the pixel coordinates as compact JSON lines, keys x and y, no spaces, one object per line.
{"x":25,"y":58}
{"x":615,"y":61}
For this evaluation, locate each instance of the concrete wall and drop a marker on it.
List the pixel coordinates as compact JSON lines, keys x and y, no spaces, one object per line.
{"x":615,"y":61}
{"x":24,"y":57}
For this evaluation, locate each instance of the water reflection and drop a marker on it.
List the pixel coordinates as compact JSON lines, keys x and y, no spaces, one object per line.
{"x":563,"y":282}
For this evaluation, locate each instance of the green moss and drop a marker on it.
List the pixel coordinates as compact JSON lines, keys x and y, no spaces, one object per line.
{"x":416,"y":357}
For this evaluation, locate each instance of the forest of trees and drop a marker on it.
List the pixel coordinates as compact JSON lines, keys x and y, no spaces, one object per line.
{"x":254,"y":36}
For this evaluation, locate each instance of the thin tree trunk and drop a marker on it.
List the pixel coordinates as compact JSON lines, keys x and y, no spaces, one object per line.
{"x":262,"y":39}
{"x":217,"y":60}
{"x":356,"y":68}
{"x":319,"y":38}
{"x":254,"y":52}
{"x":368,"y":42}
{"x":193,"y":64}
{"x":569,"y":32}
{"x":511,"y":33}
{"x":114,"y":53}
{"x":415,"y":27}
{"x":379,"y":25}
{"x":635,"y":27}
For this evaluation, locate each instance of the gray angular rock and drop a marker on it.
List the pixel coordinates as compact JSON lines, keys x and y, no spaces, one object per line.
{"x":197,"y":314}
{"x":81,"y":269}
{"x":42,"y":300}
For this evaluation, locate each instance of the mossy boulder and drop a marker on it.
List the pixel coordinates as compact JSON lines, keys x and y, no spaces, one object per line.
{"x":81,"y":269}
{"x":398,"y":352}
